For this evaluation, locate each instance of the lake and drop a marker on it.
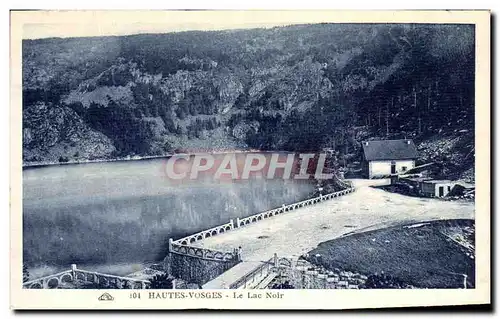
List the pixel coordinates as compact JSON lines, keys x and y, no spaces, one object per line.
{"x":114,"y":216}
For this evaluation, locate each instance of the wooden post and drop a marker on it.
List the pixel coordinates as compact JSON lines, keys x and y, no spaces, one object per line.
{"x":73,"y":271}
{"x":170,"y":242}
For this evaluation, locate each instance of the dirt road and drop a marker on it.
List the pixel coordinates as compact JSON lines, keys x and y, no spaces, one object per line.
{"x":299,"y":231}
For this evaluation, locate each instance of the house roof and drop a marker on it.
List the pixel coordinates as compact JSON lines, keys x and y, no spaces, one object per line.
{"x":389,"y":150}
{"x":466,"y":185}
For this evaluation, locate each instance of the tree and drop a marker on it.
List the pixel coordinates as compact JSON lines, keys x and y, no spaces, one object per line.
{"x":161,"y":281}
{"x":26,"y":274}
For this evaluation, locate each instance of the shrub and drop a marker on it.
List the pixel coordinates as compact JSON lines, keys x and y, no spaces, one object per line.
{"x":162,"y":281}
{"x":26,"y":274}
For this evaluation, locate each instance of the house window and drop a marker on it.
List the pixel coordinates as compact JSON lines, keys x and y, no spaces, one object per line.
{"x":403,"y":168}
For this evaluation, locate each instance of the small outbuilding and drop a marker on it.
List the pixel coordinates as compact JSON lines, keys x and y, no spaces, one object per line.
{"x":384,"y":158}
{"x":429,"y":187}
{"x":436,"y":188}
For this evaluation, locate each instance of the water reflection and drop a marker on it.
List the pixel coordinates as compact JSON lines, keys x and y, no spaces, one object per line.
{"x":124,"y":212}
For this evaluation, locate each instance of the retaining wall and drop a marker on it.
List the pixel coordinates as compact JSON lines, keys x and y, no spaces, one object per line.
{"x":305,"y":275}
{"x":196,"y":270}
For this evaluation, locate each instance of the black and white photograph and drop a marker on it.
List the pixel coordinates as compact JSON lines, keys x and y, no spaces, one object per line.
{"x":318,"y":156}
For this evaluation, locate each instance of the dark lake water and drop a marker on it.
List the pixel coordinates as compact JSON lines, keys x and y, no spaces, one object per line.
{"x":122,"y":213}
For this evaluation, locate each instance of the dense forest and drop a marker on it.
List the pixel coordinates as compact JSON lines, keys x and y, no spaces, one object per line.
{"x":304,"y":87}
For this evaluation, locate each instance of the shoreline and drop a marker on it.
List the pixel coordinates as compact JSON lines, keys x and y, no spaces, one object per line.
{"x":104,"y":160}
{"x":131,"y":158}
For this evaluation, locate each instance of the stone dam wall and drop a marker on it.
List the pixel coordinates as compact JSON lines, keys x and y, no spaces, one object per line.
{"x":200,"y":265}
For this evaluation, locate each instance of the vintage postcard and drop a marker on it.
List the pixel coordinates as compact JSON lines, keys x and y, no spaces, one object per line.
{"x":249,"y":159}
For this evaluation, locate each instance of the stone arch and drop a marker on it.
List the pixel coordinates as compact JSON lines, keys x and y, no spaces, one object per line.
{"x":259,"y":217}
{"x":66,"y":278}
{"x":53,"y":283}
{"x":36,"y":285}
{"x":209,"y":254}
{"x":137,"y":285}
{"x":119,"y":283}
{"x":95,"y":279}
{"x":184,"y":242}
{"x":254,"y":219}
{"x":285,"y":262}
{"x":214,"y":232}
{"x":192,"y":240}
{"x":200,"y":237}
{"x":227,"y":228}
{"x":218,"y":255}
{"x":80,"y":276}
{"x":221,"y":230}
{"x":199,"y":253}
{"x":207,"y":234}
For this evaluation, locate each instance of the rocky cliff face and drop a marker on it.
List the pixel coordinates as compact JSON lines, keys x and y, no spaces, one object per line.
{"x":58,"y":134}
{"x":294,"y":88}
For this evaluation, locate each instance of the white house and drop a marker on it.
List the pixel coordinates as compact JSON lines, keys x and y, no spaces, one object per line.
{"x":388,"y":157}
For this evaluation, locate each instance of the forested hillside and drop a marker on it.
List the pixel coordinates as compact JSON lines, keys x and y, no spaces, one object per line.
{"x":295,"y":88}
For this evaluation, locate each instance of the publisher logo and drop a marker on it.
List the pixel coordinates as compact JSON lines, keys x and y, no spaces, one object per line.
{"x":106,"y":297}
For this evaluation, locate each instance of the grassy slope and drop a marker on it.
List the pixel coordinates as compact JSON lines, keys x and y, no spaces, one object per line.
{"x":422,"y":256}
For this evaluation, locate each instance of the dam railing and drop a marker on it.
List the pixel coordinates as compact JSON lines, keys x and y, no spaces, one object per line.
{"x":183,"y":246}
{"x":254,"y":276}
{"x":75,"y":276}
